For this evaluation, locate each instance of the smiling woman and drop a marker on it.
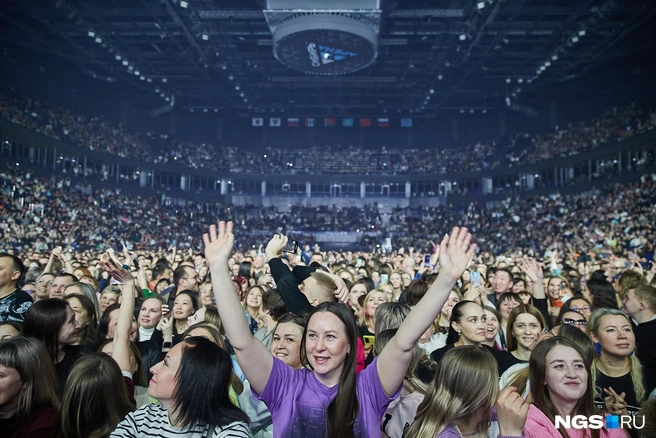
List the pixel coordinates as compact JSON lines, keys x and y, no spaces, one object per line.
{"x":327,"y":398}
{"x":561,"y":384}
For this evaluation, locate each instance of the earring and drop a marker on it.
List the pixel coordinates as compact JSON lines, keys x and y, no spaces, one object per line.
{"x":598,"y":348}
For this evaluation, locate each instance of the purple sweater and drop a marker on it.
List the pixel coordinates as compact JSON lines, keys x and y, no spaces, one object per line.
{"x":298,"y":402}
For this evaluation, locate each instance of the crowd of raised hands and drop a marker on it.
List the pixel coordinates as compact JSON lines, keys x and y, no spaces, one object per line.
{"x":441,"y":338}
{"x":99,"y":134}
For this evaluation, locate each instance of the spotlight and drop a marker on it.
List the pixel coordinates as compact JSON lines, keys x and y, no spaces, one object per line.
{"x":98,"y":40}
{"x":520,"y":80}
{"x":183,"y":4}
{"x":431,"y":91}
{"x":462,"y":111}
{"x":581,"y":32}
{"x":216,"y":110}
{"x":118,"y":57}
{"x":92,"y":34}
{"x":125,"y":62}
{"x":223,"y":67}
{"x":164,"y":80}
{"x":231,"y":77}
{"x":136,"y":73}
{"x":462,"y":37}
{"x":554,"y":58}
{"x":508,"y":80}
{"x":440,"y":77}
{"x":205,"y":110}
{"x":237,"y":87}
{"x":575,"y":39}
{"x":484,"y":111}
{"x":471,"y":111}
{"x":205,"y":37}
{"x":480,"y":5}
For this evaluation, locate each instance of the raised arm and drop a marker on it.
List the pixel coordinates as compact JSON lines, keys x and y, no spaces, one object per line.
{"x":532,"y":269}
{"x":253,"y":357}
{"x":121,"y":342}
{"x":456,"y":250}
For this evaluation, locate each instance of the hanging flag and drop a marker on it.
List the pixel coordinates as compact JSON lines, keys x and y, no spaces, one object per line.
{"x":330,"y":122}
{"x":383,"y":123}
{"x":406,"y":123}
{"x":258,"y":121}
{"x":293,"y":122}
{"x":365,"y":123}
{"x":348,"y":122}
{"x":309,"y":122}
{"x":275,"y":122}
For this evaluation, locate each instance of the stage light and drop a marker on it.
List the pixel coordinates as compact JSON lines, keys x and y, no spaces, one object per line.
{"x":92,"y":34}
{"x":440,"y":77}
{"x":98,"y":40}
{"x":462,"y":37}
{"x":480,"y":5}
{"x":581,"y":32}
{"x":183,"y":4}
{"x":431,"y":91}
{"x":508,"y":80}
{"x":118,"y":57}
{"x":125,"y":62}
{"x":554,"y":58}
{"x":164,"y":80}
{"x":575,"y":39}
{"x":205,"y":37}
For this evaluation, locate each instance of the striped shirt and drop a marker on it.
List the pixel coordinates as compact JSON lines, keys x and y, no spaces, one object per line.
{"x":152,"y":421}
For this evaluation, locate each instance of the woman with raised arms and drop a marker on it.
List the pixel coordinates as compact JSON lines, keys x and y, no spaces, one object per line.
{"x":326,"y":398}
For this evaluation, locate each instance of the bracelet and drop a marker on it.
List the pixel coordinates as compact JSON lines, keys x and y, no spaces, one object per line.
{"x":167,"y":345}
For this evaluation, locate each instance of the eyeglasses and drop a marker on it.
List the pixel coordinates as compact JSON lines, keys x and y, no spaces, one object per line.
{"x":48,"y":283}
{"x":578,"y":322}
{"x":580,"y":309}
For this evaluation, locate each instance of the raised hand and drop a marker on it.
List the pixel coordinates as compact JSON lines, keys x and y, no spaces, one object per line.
{"x":341,"y":291}
{"x":456,"y":251}
{"x":114,"y":269}
{"x":275,"y":246}
{"x":218,"y":244}
{"x":512,"y":410}
{"x":532,"y":269}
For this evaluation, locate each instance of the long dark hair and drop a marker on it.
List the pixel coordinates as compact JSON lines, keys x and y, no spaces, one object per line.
{"x":603,"y":294}
{"x":88,"y":333}
{"x":344,"y":409}
{"x":44,"y":320}
{"x":202,"y":388}
{"x":540,"y":392}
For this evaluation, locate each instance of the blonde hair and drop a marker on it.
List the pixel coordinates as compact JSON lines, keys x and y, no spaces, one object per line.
{"x":634,"y":362}
{"x":369,"y":320}
{"x":325,"y":290}
{"x":466,"y":380}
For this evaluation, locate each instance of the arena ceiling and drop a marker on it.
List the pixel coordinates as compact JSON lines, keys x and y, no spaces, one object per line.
{"x":433,"y":55}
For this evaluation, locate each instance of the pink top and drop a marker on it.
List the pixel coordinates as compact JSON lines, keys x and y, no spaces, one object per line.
{"x":538,"y":425}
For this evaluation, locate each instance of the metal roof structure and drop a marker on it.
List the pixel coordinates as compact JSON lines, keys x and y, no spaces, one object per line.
{"x":433,"y":55}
